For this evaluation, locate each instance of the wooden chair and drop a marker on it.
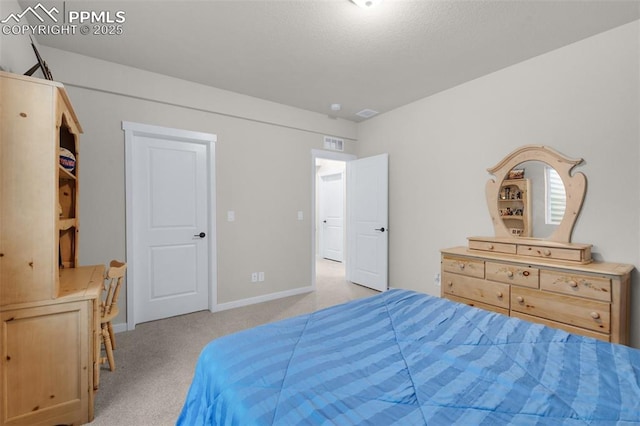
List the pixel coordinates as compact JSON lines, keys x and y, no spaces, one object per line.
{"x":109,"y":308}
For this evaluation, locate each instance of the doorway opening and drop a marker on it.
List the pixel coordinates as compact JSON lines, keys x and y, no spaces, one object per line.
{"x":362,"y":246}
{"x":329,"y":213}
{"x":330,"y":220}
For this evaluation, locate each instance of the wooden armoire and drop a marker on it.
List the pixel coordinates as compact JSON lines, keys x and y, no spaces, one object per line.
{"x":49,"y":305}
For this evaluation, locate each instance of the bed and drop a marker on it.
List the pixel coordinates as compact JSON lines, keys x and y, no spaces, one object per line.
{"x":406,"y":358}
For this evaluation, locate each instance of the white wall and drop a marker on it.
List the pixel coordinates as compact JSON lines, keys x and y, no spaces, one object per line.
{"x":263,"y":170}
{"x":582,"y":100}
{"x":16,"y":53}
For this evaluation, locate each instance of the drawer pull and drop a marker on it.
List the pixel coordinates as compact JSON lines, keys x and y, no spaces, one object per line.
{"x":510,"y":274}
{"x":573,"y":284}
{"x":595,"y":315}
{"x":461,"y":265}
{"x":520,"y":299}
{"x":499,"y":294}
{"x":490,"y":247}
{"x":450,"y":283}
{"x":546,"y":252}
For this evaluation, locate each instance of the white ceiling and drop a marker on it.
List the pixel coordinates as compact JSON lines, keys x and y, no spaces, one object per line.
{"x":312,"y":53}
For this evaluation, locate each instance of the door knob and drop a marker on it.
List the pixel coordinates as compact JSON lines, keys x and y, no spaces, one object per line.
{"x":201,"y":235}
{"x":380,"y":229}
{"x":324,"y":221}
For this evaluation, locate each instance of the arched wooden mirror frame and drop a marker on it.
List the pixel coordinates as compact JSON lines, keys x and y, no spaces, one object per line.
{"x":575,"y":187}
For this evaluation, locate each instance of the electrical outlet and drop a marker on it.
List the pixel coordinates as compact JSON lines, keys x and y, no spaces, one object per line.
{"x":436,"y":280}
{"x":260,"y":276}
{"x":254,"y":277}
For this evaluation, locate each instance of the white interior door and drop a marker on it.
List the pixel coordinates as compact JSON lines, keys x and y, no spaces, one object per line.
{"x":367,"y":227}
{"x":332,"y":216}
{"x":172,"y":225}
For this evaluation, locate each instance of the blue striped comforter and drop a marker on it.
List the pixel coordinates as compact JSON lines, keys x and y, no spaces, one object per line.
{"x":407,"y":358}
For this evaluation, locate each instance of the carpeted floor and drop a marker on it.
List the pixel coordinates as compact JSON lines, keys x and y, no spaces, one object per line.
{"x":155,"y":362}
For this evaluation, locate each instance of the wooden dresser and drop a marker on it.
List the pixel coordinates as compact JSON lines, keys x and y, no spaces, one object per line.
{"x":590,"y":298}
{"x":49,"y":305}
{"x":534,"y":271}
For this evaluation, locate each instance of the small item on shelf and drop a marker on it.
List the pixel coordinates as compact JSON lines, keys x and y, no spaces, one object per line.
{"x":67,"y":159}
{"x":516,"y":174}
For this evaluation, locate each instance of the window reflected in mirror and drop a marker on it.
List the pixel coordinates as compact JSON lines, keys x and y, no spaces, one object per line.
{"x":556,"y":197}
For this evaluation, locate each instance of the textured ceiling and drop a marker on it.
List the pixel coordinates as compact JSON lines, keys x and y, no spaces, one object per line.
{"x":312,"y":53}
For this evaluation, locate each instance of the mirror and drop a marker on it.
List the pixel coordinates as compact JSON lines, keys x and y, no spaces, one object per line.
{"x":537,"y":200}
{"x":534,"y":195}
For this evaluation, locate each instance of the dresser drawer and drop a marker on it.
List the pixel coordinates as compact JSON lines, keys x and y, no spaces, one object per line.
{"x":575,"y":255}
{"x":463,"y":266}
{"x":566,"y":327}
{"x":570,"y":310}
{"x":476,"y":304}
{"x":492,"y":246}
{"x":512,"y":274}
{"x":496,"y":294}
{"x":593,"y":287}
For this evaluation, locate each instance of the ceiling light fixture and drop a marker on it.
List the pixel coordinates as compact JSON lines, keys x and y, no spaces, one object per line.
{"x":336,"y":107}
{"x":366,"y":4}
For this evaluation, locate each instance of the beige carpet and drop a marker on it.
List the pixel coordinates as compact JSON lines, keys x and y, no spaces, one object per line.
{"x":155,"y":362}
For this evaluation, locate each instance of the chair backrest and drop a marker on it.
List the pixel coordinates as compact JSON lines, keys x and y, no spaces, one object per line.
{"x":113,"y":281}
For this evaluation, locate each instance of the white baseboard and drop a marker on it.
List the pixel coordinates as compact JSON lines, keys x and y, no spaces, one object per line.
{"x":118,"y":328}
{"x":259,"y":299}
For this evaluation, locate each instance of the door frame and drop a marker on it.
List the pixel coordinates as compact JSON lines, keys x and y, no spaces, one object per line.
{"x":131,"y":131}
{"x":329,"y":155}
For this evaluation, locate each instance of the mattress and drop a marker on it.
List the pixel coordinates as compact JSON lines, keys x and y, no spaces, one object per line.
{"x":406,"y":358}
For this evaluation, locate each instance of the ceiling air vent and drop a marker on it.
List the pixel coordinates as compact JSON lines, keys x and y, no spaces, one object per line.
{"x":333,"y":144}
{"x":366,"y":113}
